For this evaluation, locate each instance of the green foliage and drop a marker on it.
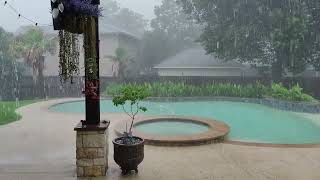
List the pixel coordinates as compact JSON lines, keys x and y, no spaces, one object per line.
{"x":32,"y":46}
{"x":283,"y":34}
{"x":7,"y":111}
{"x":69,"y":53}
{"x":171,"y":32}
{"x":171,"y":89}
{"x":257,"y":90}
{"x":10,"y":70}
{"x":278,"y":91}
{"x":121,"y":61}
{"x":123,"y":18}
{"x":131,"y":95}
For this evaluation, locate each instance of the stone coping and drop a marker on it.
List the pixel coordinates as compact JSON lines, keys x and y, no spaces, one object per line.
{"x":302,"y":107}
{"x":100,"y":127}
{"x":257,"y":144}
{"x":216,"y":133}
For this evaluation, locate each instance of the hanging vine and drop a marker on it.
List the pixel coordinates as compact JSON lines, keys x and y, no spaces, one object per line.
{"x":68,"y":55}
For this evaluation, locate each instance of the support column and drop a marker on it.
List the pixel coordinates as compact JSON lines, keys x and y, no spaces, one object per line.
{"x":92,"y":78}
{"x":92,"y":150}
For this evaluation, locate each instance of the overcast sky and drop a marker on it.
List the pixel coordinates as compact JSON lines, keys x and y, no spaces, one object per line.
{"x":38,"y":10}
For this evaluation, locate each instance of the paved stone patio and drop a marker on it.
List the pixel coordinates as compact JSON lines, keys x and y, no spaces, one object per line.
{"x":41,"y":146}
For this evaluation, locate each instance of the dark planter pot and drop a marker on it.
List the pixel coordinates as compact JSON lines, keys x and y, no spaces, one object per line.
{"x":128,"y":157}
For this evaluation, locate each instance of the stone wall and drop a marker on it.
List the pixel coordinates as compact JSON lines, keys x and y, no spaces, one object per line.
{"x":92,"y":153}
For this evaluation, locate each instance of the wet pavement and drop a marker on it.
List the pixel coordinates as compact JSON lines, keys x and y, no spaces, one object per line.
{"x":41,"y":146}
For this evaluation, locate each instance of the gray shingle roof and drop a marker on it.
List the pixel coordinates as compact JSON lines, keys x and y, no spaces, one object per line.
{"x":111,"y":29}
{"x":196,"y":58}
{"x":103,"y":28}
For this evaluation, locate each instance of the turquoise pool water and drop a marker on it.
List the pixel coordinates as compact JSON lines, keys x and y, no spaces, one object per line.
{"x":248,"y":122}
{"x":171,"y":128}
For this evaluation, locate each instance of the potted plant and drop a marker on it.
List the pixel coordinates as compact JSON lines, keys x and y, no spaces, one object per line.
{"x":129,"y":149}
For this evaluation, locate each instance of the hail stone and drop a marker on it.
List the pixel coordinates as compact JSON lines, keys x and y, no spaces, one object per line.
{"x":55,"y":13}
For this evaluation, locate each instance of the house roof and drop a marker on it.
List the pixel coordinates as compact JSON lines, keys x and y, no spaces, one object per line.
{"x":112,"y":29}
{"x":196,"y":58}
{"x":103,"y":28}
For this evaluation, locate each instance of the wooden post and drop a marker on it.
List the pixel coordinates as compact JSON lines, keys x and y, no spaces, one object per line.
{"x":92,"y":83}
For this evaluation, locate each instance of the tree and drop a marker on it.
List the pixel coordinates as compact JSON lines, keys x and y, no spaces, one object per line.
{"x":171,"y":32}
{"x":32,"y":47}
{"x":270,"y":32}
{"x":120,"y":63}
{"x":171,"y":20}
{"x":123,"y":18}
{"x":10,"y":72}
{"x":314,"y":33}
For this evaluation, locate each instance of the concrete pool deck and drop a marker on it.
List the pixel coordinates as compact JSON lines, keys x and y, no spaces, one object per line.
{"x":41,"y":146}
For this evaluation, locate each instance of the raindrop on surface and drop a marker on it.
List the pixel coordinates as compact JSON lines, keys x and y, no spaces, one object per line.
{"x":55,"y":13}
{"x":247,"y":34}
{"x":61,"y":7}
{"x":17,"y":102}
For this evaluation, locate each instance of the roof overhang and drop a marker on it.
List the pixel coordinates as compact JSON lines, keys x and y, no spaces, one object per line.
{"x":216,"y":67}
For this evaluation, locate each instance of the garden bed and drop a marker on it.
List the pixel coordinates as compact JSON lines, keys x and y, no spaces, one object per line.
{"x":275,"y":95}
{"x":257,"y":90}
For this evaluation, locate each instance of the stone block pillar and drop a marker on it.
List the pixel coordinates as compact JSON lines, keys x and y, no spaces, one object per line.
{"x":92,"y":150}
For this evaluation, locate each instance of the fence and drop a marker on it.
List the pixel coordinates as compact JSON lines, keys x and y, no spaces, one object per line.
{"x":54,"y":88}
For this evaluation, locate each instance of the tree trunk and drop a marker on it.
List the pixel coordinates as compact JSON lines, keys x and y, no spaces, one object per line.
{"x":40,"y":82}
{"x":277,"y":70}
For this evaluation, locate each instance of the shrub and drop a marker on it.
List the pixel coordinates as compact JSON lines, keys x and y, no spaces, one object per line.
{"x":257,"y":90}
{"x":278,"y":91}
{"x":296,"y":94}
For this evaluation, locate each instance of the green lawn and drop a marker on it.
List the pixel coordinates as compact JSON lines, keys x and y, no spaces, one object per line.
{"x":7,"y":111}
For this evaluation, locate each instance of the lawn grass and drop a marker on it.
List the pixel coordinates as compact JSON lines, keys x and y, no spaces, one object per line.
{"x":8,"y":108}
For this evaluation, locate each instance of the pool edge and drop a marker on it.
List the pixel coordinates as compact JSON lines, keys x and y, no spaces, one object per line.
{"x":256,"y":144}
{"x":216,"y":133}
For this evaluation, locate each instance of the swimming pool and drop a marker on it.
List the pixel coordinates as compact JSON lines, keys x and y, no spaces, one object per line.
{"x":172,"y":128}
{"x":248,"y":122}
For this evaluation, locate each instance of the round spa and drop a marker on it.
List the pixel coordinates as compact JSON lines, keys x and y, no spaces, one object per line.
{"x":177,"y":130}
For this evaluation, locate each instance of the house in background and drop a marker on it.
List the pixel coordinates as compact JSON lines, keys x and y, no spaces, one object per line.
{"x":308,"y":72}
{"x":111,"y":38}
{"x":195,"y":62}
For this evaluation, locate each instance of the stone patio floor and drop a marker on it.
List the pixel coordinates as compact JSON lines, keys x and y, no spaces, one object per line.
{"x":41,"y":146}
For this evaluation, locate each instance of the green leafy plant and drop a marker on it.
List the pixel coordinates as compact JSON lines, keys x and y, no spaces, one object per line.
{"x":69,"y":54}
{"x":120,"y":61}
{"x":257,"y":90}
{"x":32,"y":46}
{"x":130,"y":95}
{"x":296,"y":94}
{"x":279,"y":91}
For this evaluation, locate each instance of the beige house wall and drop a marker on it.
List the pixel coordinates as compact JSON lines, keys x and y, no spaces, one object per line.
{"x":203,"y":72}
{"x":108,"y":45}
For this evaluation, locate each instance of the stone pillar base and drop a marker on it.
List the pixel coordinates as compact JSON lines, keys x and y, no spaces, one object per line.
{"x":92,"y":149}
